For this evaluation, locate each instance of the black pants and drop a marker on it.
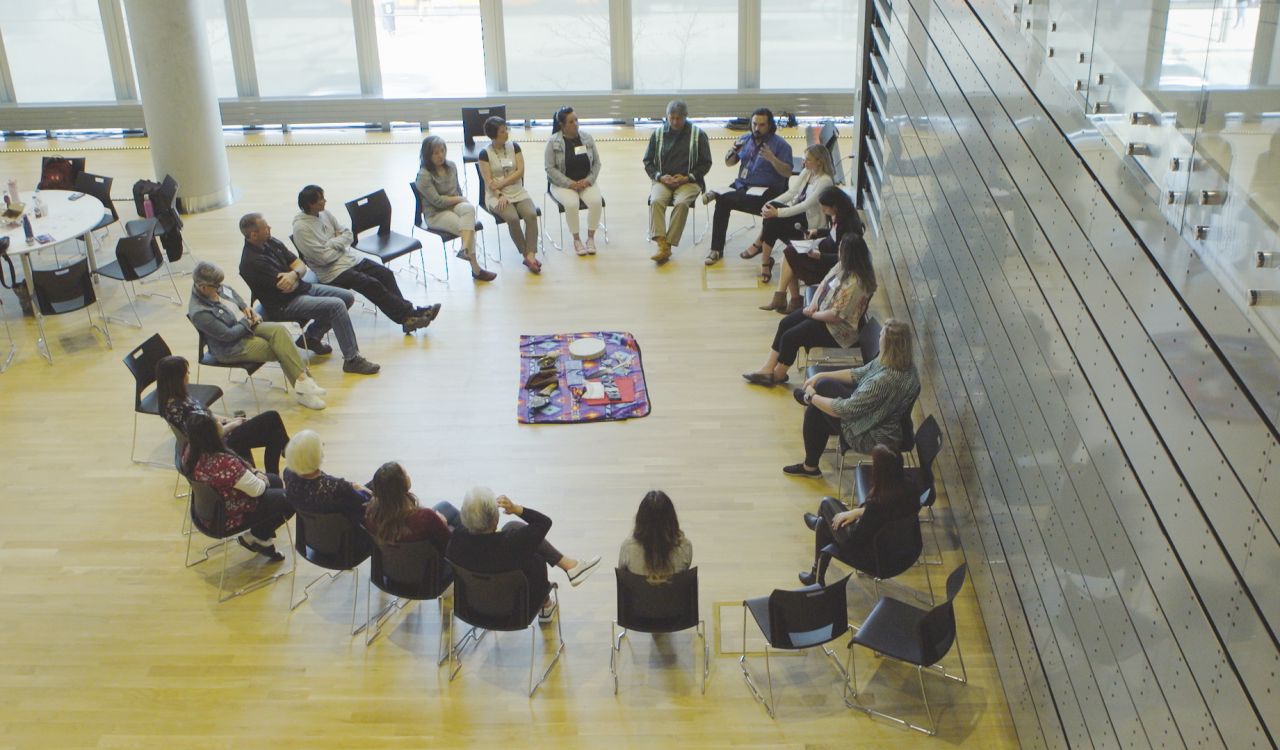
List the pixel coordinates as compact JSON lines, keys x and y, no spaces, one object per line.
{"x":546,"y":551}
{"x":823,"y":534}
{"x":378,"y":284}
{"x":264,"y":431}
{"x":820,"y":426}
{"x":451,"y":515}
{"x":797,"y":330}
{"x":736,"y":200}
{"x":272,"y":511}
{"x":782,"y":228}
{"x":810,"y":270}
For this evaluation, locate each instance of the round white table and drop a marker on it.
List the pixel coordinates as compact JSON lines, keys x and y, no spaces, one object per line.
{"x":65,"y":220}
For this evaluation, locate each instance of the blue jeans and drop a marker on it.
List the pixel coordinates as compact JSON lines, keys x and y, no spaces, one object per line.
{"x":326,"y":308}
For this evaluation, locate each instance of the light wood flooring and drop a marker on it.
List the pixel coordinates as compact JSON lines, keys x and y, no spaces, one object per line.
{"x":109,"y":642}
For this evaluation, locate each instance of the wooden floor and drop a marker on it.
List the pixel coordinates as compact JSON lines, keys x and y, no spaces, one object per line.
{"x":109,"y":642}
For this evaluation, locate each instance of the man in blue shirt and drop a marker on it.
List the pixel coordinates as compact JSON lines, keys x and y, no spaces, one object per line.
{"x":766,"y":169}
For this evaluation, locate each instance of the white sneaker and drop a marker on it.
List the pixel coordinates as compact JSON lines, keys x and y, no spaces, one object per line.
{"x":309,"y":386}
{"x":582,"y":571}
{"x":546,"y":614}
{"x":709,"y":196}
{"x":591,"y":246}
{"x":308,"y":400}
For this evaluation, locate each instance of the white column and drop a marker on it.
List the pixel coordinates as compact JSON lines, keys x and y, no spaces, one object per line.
{"x":179,"y":100}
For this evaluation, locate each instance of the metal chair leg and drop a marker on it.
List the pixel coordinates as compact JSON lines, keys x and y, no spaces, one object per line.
{"x":746,"y":672}
{"x":706,"y":655}
{"x":533,"y":637}
{"x":615,"y":649}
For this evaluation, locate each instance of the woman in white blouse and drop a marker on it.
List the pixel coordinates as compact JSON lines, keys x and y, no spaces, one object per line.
{"x":502,"y":169}
{"x":788,"y":216}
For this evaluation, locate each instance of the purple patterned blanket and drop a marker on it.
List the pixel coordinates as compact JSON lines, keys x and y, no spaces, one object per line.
{"x":619,"y":371}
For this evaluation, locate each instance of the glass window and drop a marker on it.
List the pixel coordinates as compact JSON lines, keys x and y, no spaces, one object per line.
{"x":809,"y":44}
{"x":557,"y":45}
{"x":304,"y":47}
{"x":430,"y":49}
{"x":685,"y":45}
{"x":1227,"y":34}
{"x":78,"y":72}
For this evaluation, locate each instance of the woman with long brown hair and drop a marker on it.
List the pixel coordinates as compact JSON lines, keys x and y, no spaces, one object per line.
{"x":394,"y":516}
{"x":657,"y":548}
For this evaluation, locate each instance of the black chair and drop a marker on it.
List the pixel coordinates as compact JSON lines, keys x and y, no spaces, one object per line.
{"x":408,"y":571}
{"x":205,"y":359}
{"x":333,"y":542}
{"x":64,"y":290}
{"x":137,"y":257}
{"x":928,"y":444}
{"x":473,"y":125}
{"x":60,"y":172}
{"x":795,"y":620}
{"x":498,"y":602}
{"x":919,"y":637}
{"x":420,"y":222}
{"x":141,"y":363}
{"x":828,"y":136}
{"x":373,"y":211}
{"x":497,"y":220}
{"x":582,"y":206}
{"x":209,"y":517}
{"x":163,"y":207}
{"x":99,"y":187}
{"x":894,"y":550}
{"x":666,"y":607}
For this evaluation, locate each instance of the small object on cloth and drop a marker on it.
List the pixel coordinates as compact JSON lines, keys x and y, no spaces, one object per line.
{"x":595,"y":390}
{"x":589,"y":348}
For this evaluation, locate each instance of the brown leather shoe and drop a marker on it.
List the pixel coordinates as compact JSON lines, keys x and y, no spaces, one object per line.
{"x":779,"y":302}
{"x":664,"y":251}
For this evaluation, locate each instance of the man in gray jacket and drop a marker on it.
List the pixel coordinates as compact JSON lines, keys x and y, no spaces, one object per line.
{"x":325,"y":246}
{"x":233,"y":332}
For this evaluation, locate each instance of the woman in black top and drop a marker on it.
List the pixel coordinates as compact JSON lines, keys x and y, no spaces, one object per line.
{"x":241,"y":435}
{"x":812,"y":267}
{"x":853,"y":530}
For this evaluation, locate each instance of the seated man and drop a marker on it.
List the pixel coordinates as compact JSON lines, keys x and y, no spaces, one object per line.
{"x":235,"y":333}
{"x":766,"y":167}
{"x":478,"y":546}
{"x":677,"y":160}
{"x":326,"y":248}
{"x":274,"y":275}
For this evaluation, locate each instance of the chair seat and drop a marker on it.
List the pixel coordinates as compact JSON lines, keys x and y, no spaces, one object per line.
{"x":142,"y":226}
{"x":893,"y":629}
{"x":812,"y":370}
{"x":759,"y":608}
{"x":208,"y":360}
{"x":387,"y":247}
{"x":106,"y":221}
{"x":112,"y":270}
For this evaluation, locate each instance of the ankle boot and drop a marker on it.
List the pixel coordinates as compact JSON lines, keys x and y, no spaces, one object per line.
{"x":795,"y":304}
{"x":779,"y":302}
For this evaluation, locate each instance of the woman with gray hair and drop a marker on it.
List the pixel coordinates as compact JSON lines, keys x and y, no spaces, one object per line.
{"x":479,"y":546}
{"x":235,"y":333}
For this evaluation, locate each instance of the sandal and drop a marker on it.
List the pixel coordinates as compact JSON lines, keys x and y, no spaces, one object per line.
{"x":532,"y":264}
{"x":748,"y":255}
{"x":766,"y":270}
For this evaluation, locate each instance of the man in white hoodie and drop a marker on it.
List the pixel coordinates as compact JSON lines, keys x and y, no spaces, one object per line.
{"x":325,"y":246}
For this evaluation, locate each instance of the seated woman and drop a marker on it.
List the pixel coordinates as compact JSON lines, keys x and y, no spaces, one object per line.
{"x":521,"y":544}
{"x":443,"y":204}
{"x":790,"y":214}
{"x":235,"y":333}
{"x":656,"y":549}
{"x":502,"y":169}
{"x":891,"y":498}
{"x":811,"y":266}
{"x":573,"y":164}
{"x":832,"y":319}
{"x":865,"y":405}
{"x":253,"y":499}
{"x":310,"y":490}
{"x":393,"y":516}
{"x":241,"y":435}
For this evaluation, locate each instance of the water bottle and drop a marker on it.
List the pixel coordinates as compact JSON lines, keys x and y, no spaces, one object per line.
{"x":13,"y":190}
{"x":148,"y":210}
{"x":26,"y":229}
{"x":39,"y":207}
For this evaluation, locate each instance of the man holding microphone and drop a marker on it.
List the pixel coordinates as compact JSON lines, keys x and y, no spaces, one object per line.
{"x":765,"y":170}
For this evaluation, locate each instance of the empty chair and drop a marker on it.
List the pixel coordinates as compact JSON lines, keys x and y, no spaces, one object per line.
{"x":205,"y":359}
{"x":473,"y":125}
{"x":408,"y":571}
{"x":141,"y":363}
{"x":500,"y":602}
{"x":420,"y":222}
{"x":331,"y":541}
{"x":794,"y":620}
{"x":137,"y":257}
{"x":208,"y":516}
{"x":100,"y":188}
{"x":373,"y":211}
{"x":64,"y":290}
{"x":666,"y":607}
{"x":919,"y":637}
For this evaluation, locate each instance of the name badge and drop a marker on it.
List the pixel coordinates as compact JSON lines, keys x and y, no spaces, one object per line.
{"x":580,"y":151}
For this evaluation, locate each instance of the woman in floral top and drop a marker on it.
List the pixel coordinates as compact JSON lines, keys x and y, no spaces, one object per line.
{"x":253,"y":499}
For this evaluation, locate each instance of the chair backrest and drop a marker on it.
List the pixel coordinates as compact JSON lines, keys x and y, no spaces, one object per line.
{"x":64,"y":290}
{"x":59,"y":172}
{"x":99,"y":187}
{"x":179,"y":447}
{"x":493,"y":601}
{"x":869,"y":339}
{"x":208,"y":510}
{"x":419,"y":218}
{"x":413,"y":570}
{"x":809,"y":616}
{"x":664,"y":607}
{"x":331,"y":540}
{"x":928,"y":445}
{"x":369,"y":211}
{"x":907,"y":429}
{"x":473,"y":121}
{"x":142,"y":363}
{"x":138,"y":255}
{"x":896,"y":547}
{"x":938,"y":627}
{"x":829,"y":136}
